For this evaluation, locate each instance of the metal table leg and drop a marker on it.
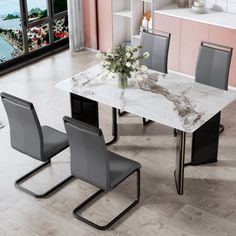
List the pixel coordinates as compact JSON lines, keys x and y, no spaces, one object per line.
{"x":114,"y":127}
{"x":180,"y":158}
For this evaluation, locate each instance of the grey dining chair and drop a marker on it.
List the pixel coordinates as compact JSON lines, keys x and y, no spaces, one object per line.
{"x":212,"y":68}
{"x":92,"y":163}
{"x":213,"y":65}
{"x":29,"y":137}
{"x":157,"y":44}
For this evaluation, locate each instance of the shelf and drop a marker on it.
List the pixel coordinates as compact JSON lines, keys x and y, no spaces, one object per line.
{"x":124,"y":13}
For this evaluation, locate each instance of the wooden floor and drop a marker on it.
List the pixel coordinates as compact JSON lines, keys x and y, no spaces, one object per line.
{"x":208,"y":206}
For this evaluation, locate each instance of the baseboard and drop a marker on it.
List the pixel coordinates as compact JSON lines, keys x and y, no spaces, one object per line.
{"x":91,"y":49}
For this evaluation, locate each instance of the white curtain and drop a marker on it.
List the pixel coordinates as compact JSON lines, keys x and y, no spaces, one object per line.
{"x":76,"y":29}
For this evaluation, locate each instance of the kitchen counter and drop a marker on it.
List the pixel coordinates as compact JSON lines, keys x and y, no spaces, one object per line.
{"x":212,"y":17}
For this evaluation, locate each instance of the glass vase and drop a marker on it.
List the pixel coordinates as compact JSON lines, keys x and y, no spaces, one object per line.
{"x":122,"y":81}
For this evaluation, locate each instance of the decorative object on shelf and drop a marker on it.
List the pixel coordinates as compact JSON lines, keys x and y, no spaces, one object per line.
{"x":121,"y":61}
{"x":150,"y":23}
{"x":199,"y":7}
{"x":148,"y":15}
{"x":145,"y":22}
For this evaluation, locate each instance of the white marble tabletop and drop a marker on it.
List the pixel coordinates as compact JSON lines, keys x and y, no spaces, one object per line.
{"x":172,"y":100}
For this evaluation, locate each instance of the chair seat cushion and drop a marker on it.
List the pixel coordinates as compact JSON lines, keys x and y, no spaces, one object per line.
{"x":120,"y":168}
{"x":54,"y":141}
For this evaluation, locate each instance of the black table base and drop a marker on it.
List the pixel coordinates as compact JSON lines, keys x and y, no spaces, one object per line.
{"x":86,"y":110}
{"x":205,"y":142}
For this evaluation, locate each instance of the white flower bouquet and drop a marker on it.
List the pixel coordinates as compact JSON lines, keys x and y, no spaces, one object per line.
{"x":122,"y":60}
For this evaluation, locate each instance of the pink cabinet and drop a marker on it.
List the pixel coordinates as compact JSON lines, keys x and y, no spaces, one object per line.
{"x":192,"y":34}
{"x":226,"y":37}
{"x":171,"y":25}
{"x":105,"y":24}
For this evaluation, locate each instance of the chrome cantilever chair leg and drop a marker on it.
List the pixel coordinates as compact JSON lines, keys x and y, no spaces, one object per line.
{"x":35,"y":171}
{"x":100,"y":191}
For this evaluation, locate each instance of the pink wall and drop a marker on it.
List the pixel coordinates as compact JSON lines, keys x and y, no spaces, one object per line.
{"x":192,"y":34}
{"x":186,"y":37}
{"x":227,"y":37}
{"x":171,"y":25}
{"x":90,"y":32}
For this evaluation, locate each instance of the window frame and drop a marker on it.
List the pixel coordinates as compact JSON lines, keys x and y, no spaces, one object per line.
{"x":54,"y":45}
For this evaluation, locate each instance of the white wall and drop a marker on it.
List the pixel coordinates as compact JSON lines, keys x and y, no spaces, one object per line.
{"x":222,"y":5}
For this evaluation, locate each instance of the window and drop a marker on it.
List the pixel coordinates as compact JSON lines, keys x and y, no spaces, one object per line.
{"x":38,"y":37}
{"x":11,"y":38}
{"x":59,"y":6}
{"x":26,"y":26}
{"x":60,"y":28}
{"x":36,"y":10}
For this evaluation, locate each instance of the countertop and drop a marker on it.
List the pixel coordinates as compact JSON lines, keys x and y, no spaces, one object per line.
{"x":212,"y":17}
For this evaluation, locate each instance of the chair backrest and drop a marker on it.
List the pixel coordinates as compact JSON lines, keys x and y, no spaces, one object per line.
{"x":25,"y":130}
{"x":89,"y":157}
{"x":213,"y":65}
{"x":157,"y":44}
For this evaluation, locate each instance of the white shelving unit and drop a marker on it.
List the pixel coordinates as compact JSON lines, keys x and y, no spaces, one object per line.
{"x":124,"y":12}
{"x":148,"y":5}
{"x":154,"y":5}
{"x":127,"y":18}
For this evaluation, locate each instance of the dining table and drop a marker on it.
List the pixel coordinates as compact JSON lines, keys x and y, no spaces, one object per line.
{"x":172,"y":99}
